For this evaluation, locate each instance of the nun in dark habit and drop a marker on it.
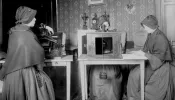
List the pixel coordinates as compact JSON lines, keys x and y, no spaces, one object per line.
{"x":158,"y":77}
{"x":22,"y":72}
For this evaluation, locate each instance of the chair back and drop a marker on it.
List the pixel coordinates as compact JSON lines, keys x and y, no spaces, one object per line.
{"x":139,"y":38}
{"x":123,"y":41}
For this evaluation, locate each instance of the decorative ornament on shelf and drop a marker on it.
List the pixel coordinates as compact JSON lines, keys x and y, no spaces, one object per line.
{"x":95,"y":22}
{"x":106,"y":16}
{"x":85,"y":18}
{"x":104,"y":22}
{"x":130,"y":8}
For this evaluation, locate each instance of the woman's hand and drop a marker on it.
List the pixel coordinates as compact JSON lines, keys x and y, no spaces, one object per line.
{"x":40,"y":66}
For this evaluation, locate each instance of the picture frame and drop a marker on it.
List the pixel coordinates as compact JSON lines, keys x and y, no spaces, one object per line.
{"x":95,"y":2}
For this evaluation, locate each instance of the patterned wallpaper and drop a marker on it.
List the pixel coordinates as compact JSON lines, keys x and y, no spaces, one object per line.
{"x":70,"y":11}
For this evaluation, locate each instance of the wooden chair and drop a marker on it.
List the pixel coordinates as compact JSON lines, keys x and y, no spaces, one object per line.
{"x":139,"y":39}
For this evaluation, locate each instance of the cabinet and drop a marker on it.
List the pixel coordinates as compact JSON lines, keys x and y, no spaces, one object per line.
{"x":82,"y":40}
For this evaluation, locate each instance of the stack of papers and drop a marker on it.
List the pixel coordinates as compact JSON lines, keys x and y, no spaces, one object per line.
{"x":57,"y":57}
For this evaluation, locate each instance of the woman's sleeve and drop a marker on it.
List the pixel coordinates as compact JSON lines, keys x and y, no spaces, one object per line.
{"x":145,"y":49}
{"x":156,"y":58}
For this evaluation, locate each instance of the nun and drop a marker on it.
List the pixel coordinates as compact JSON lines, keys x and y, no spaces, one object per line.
{"x":22,"y":72}
{"x":158,"y":78}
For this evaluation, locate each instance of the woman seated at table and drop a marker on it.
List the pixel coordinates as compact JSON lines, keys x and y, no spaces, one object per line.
{"x":158,"y":80}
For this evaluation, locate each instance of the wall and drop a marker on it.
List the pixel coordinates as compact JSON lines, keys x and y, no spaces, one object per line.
{"x":0,"y":23}
{"x":168,"y":18}
{"x":69,"y":15}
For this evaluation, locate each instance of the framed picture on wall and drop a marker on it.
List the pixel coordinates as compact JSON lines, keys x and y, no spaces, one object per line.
{"x":95,"y":2}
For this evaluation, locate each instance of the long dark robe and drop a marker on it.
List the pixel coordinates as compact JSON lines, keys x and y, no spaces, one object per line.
{"x":22,"y":72}
{"x":158,"y":80}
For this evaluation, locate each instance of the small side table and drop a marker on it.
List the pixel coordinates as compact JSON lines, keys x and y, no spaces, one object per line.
{"x":64,"y":61}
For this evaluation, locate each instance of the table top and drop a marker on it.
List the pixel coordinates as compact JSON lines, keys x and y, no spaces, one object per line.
{"x":85,"y":57}
{"x":65,"y":58}
{"x":62,"y":59}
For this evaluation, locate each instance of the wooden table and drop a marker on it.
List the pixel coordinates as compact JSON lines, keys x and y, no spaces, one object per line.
{"x":64,"y":61}
{"x":127,"y":59}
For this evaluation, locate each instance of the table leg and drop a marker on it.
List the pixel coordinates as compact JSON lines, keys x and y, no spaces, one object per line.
{"x":82,"y":66}
{"x":86,"y":82}
{"x":142,"y":73}
{"x":68,"y":72}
